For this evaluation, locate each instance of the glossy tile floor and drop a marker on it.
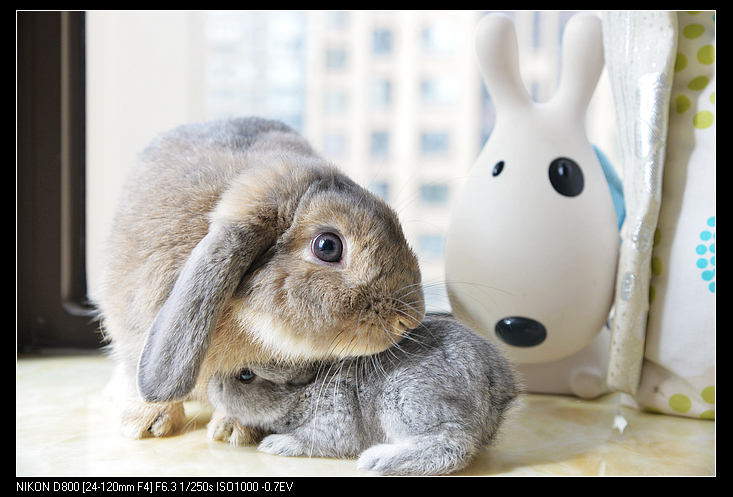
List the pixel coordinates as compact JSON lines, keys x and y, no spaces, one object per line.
{"x":65,"y":427}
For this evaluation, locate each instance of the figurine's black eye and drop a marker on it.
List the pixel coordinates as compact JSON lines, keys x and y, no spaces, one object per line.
{"x":498,"y":168}
{"x":566,"y":177}
{"x":246,"y":376}
{"x":328,"y":247}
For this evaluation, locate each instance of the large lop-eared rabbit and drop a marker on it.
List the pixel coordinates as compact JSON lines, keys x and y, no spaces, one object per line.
{"x":426,"y":406}
{"x":234,"y":241}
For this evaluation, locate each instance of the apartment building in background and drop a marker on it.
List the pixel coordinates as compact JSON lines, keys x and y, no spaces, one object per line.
{"x":394,"y":98}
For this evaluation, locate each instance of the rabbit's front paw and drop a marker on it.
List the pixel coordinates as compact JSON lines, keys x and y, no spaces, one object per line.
{"x":226,"y":429}
{"x":140,"y":420}
{"x":282,"y":445}
{"x":383,"y":459}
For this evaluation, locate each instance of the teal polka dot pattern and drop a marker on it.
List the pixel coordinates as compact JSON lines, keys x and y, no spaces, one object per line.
{"x":706,"y":251}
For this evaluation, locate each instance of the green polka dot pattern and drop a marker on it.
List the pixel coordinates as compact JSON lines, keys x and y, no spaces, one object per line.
{"x":683,"y":276}
{"x":693,"y":70}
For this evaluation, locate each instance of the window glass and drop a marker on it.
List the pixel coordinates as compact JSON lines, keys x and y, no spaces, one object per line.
{"x":382,"y":41}
{"x":380,"y":144}
{"x":435,"y":194}
{"x":440,"y":90}
{"x":432,"y":246}
{"x":394,"y":99}
{"x":381,"y":93}
{"x":434,"y":142}
{"x":335,"y":58}
{"x":381,"y":188}
{"x":440,"y":37}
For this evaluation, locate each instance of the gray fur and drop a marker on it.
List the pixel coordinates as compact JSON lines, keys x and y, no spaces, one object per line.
{"x":426,"y":406}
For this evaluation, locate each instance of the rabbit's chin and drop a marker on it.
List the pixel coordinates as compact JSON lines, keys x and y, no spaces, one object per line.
{"x":282,"y":341}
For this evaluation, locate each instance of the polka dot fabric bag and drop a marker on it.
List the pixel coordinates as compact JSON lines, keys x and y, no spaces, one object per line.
{"x":677,"y":373}
{"x":679,"y":370}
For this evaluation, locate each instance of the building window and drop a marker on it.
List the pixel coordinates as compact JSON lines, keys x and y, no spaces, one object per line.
{"x":432,"y":143}
{"x":335,"y":58}
{"x":380,"y":144}
{"x":382,"y":41}
{"x":434,"y":194}
{"x":440,"y":38}
{"x":381,"y":93}
{"x":440,"y":91}
{"x":336,"y":19}
{"x":380,"y":188}
{"x":431,"y":246}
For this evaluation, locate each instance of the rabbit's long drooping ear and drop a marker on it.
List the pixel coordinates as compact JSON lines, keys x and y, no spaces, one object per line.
{"x":582,"y":63}
{"x":181,"y":333}
{"x":498,"y":59}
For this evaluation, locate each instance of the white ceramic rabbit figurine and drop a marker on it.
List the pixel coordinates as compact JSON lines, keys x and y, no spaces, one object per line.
{"x":532,"y":247}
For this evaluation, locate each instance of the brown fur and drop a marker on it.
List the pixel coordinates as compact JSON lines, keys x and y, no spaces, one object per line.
{"x":210,"y":266}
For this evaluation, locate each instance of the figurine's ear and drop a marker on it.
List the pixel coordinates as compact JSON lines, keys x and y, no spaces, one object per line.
{"x":582,"y":63}
{"x":497,"y":52}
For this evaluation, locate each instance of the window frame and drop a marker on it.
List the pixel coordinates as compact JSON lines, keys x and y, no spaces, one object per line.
{"x":51,"y":304}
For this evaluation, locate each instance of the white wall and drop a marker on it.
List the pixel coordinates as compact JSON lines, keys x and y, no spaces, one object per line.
{"x":144,"y":76}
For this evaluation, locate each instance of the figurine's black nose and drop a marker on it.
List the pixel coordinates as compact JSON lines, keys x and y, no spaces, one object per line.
{"x":521,"y":332}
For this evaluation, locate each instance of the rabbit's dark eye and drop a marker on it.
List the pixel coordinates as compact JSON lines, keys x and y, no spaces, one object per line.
{"x":246,"y":376}
{"x":498,"y":168}
{"x":328,"y":247}
{"x":566,"y":177}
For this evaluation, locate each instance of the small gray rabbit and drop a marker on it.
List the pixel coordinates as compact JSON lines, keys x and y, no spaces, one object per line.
{"x":235,"y":241}
{"x":425,"y":406}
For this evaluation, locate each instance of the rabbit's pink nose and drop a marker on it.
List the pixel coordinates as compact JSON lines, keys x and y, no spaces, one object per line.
{"x":520,"y":332}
